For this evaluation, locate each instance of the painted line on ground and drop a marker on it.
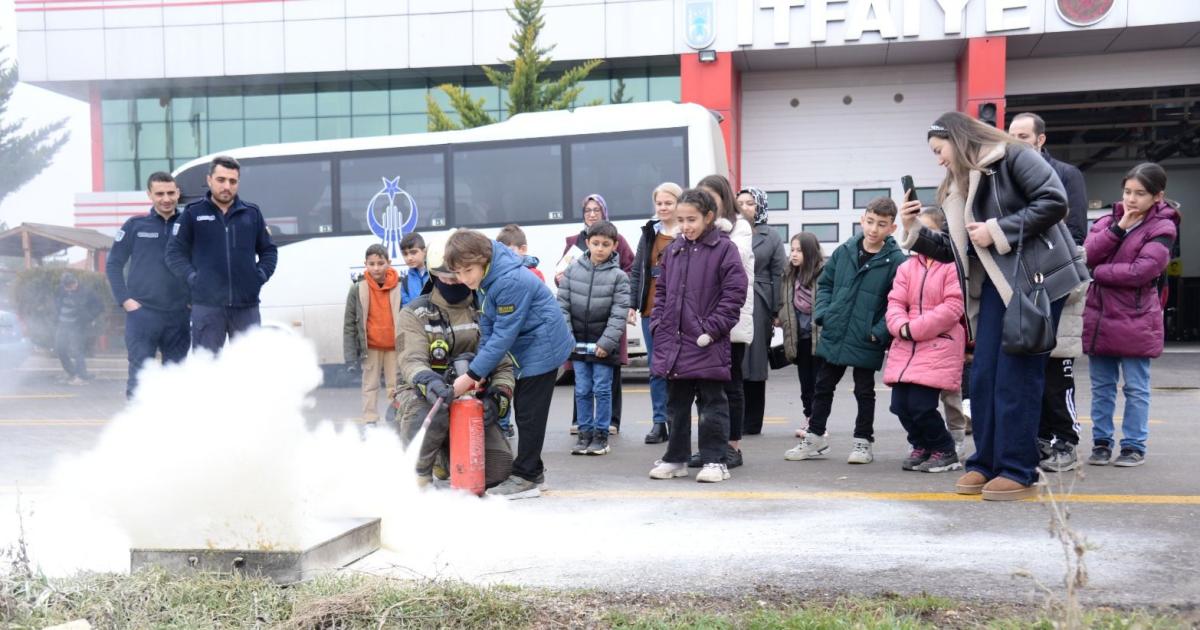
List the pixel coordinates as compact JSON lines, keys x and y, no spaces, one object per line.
{"x":34,"y":396}
{"x":1116,"y":420}
{"x":58,"y":369}
{"x":25,"y":422}
{"x":937,"y":497}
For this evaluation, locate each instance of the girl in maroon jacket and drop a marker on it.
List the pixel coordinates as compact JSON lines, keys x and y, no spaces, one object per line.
{"x":697,"y":301}
{"x":1122,"y":322}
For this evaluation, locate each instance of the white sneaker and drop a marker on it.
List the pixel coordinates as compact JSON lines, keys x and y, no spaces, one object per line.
{"x":812,"y":446}
{"x":667,"y":470}
{"x":966,"y":405}
{"x":861,"y":453}
{"x":712,"y":473}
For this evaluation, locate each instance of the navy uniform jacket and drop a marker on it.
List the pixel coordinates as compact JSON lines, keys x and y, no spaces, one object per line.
{"x":142,"y":242}
{"x":1077,"y":201}
{"x":224,"y":258}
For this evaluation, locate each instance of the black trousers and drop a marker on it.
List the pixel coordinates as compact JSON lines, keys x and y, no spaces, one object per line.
{"x":734,"y":392}
{"x":714,"y":420}
{"x":1058,"y":402}
{"x":917,"y":408}
{"x":828,"y":377}
{"x":149,"y":331}
{"x":616,"y":401}
{"x":807,"y":365}
{"x":531,"y":400}
{"x":756,"y":406}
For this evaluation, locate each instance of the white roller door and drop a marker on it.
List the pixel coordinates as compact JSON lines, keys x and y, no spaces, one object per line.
{"x":823,"y":144}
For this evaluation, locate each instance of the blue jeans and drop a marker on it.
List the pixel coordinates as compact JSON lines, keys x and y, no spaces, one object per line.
{"x":1006,"y":398}
{"x":593,"y":382}
{"x":658,"y":384}
{"x":1135,"y":426}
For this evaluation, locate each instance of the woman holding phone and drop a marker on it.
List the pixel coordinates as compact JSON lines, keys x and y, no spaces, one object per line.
{"x":995,"y":188}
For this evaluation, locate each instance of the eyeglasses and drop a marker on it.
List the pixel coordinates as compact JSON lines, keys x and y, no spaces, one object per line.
{"x":593,"y":211}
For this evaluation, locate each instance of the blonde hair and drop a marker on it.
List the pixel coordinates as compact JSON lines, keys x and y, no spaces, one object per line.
{"x":968,"y":137}
{"x":668,"y":187}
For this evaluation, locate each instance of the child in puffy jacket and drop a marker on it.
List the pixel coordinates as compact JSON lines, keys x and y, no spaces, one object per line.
{"x":924,"y":316}
{"x":697,"y":300}
{"x":1122,"y":322}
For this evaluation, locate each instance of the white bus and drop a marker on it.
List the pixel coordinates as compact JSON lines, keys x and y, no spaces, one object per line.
{"x":326,"y":201}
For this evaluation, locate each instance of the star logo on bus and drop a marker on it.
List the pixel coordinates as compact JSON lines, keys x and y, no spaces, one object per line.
{"x":384,"y":217}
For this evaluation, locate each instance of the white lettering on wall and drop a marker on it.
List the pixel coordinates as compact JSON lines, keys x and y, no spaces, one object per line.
{"x":953,"y":10}
{"x":783,"y":17}
{"x":822,"y":14}
{"x":912,"y":18}
{"x":745,"y":23}
{"x":1002,"y":17}
{"x":871,"y":15}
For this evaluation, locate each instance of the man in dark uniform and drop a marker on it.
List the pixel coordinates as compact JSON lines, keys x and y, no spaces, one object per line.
{"x":1058,"y":433}
{"x":155,"y":302}
{"x":221,"y":248}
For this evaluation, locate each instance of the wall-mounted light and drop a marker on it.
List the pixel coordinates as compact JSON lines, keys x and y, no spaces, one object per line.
{"x":708,"y":56}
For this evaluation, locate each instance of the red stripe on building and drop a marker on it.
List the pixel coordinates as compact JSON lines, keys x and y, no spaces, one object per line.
{"x":112,"y":205}
{"x":109,"y":214}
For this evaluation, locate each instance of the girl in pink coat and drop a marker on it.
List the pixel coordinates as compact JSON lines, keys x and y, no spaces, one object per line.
{"x":924,"y":315}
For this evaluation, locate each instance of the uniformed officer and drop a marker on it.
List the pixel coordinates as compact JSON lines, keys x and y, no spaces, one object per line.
{"x":221,"y":248}
{"x":155,"y":302}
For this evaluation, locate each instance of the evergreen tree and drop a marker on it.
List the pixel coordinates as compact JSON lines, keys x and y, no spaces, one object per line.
{"x":23,"y":155}
{"x":527,"y":91}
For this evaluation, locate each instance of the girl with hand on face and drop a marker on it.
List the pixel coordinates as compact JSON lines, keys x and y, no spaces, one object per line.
{"x":657,"y":234}
{"x":696,"y":304}
{"x":1127,"y":251}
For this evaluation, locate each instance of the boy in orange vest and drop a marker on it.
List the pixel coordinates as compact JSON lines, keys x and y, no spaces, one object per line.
{"x":369,"y":331}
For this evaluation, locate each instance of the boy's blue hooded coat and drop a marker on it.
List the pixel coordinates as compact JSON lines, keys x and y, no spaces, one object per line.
{"x":521,"y":317}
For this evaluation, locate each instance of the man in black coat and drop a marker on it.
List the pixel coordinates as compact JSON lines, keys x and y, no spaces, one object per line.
{"x":1058,"y":433}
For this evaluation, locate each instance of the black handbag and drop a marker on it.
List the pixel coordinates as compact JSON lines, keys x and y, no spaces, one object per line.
{"x":777,"y":357}
{"x":1028,"y":326}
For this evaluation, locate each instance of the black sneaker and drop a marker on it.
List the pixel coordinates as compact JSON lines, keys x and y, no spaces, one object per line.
{"x":914,"y":459}
{"x":733,"y":457}
{"x":1045,"y":452}
{"x":599,"y":445}
{"x":657,"y":434}
{"x":1101,"y":455}
{"x":1130,"y":457}
{"x":940,"y":462}
{"x":694,"y":460}
{"x":581,"y":444}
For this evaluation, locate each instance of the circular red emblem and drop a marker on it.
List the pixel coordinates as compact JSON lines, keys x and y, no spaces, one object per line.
{"x":1084,"y":12}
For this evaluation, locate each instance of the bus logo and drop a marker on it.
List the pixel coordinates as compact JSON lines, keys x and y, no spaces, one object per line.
{"x":390,"y":230}
{"x":699,"y":19}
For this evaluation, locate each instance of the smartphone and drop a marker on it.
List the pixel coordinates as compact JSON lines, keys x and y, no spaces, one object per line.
{"x":910,"y":190}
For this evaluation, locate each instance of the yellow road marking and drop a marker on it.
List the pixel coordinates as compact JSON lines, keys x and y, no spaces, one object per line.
{"x":730,"y":495}
{"x":35,"y":396}
{"x":58,"y":369}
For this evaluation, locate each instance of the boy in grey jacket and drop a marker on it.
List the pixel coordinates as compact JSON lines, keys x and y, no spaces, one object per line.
{"x":594,"y":296}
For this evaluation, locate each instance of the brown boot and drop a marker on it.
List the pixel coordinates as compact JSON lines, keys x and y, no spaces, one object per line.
{"x":970,"y":483}
{"x":1005,"y":489}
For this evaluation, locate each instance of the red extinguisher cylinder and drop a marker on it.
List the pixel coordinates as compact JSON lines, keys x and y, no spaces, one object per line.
{"x":467,"y":445}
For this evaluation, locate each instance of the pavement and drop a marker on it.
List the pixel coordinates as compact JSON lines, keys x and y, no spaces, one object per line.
{"x":817,"y":527}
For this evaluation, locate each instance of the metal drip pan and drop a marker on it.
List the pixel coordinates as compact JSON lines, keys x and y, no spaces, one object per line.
{"x":335,"y":544}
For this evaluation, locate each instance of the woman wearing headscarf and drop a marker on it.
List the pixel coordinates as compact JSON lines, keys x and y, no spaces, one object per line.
{"x":596,"y":209}
{"x":769,"y":264}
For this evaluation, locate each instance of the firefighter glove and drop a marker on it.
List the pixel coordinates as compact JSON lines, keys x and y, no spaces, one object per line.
{"x":496,"y":403}
{"x":433,"y":386}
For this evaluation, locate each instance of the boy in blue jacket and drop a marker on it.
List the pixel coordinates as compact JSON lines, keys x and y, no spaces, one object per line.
{"x":520,"y":318}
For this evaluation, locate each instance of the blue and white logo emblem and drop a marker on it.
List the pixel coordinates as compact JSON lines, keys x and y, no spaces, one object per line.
{"x":386,"y":222}
{"x":700,"y":23}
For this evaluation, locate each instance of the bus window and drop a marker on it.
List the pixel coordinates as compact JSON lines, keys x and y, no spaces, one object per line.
{"x":295,"y":195}
{"x":626,"y":170}
{"x":514,"y":184}
{"x":365,"y":182}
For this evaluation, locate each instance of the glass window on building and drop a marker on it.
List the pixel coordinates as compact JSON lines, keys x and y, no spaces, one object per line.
{"x":262,"y":131}
{"x":410,"y":123}
{"x":629,"y":87}
{"x":408,"y":96}
{"x":152,"y":109}
{"x":297,"y":129}
{"x":188,"y":139}
{"x":364,"y":188}
{"x":518,"y":184}
{"x":295,"y":196}
{"x":333,"y":99}
{"x":777,"y":199}
{"x":120,"y":141}
{"x":298,"y":100}
{"x":333,"y":127}
{"x":819,"y":200}
{"x":151,"y":140}
{"x":261,"y":102}
{"x":369,"y":97}
{"x":927,"y":195}
{"x":116,"y":110}
{"x":120,"y":175}
{"x":225,"y":134}
{"x":625,"y":172}
{"x":225,"y":103}
{"x":664,"y":84}
{"x":863,"y":196}
{"x":825,"y":232}
{"x":370,"y":126}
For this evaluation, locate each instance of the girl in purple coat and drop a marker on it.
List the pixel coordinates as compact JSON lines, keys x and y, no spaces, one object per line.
{"x":697,"y":300}
{"x":1123,"y":322}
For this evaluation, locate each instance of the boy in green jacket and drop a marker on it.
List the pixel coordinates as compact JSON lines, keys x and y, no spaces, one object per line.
{"x":850,"y":305}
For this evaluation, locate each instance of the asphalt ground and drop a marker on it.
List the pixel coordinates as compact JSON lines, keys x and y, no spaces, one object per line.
{"x":820,"y":527}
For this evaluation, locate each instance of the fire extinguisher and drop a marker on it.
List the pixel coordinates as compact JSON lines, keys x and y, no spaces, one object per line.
{"x":467,"y":445}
